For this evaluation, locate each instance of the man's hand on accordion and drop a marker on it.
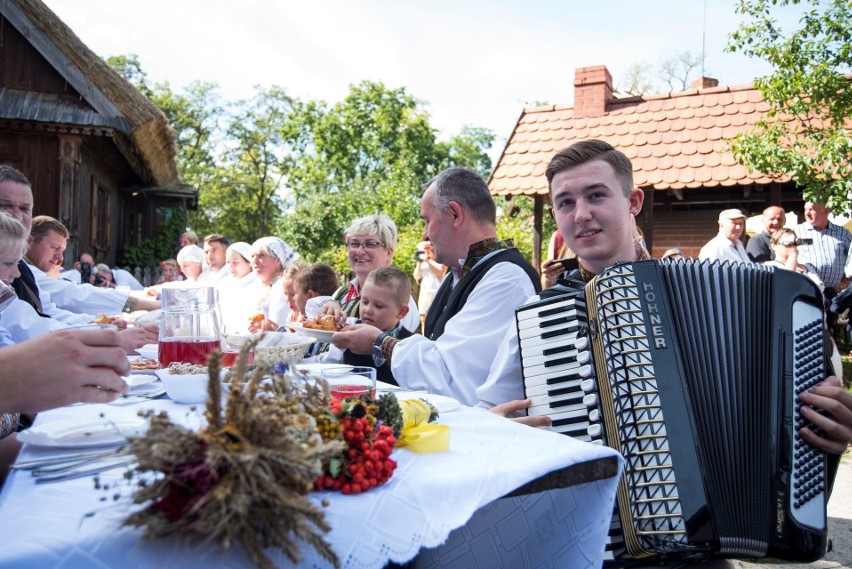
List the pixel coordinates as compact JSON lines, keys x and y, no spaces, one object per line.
{"x":512,"y":407}
{"x":836,"y":420}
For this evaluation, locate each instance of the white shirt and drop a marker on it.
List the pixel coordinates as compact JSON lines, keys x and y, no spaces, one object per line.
{"x":276,"y":308}
{"x":50,"y":307}
{"x":237,"y":303}
{"x":848,"y":269}
{"x":720,"y":248}
{"x":211,"y":277}
{"x":72,"y":275}
{"x":81,"y":299}
{"x":125,"y":278}
{"x":21,"y":322}
{"x":457,"y":363}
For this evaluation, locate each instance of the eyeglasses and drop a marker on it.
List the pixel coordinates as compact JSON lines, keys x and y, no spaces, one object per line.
{"x":367,"y":245}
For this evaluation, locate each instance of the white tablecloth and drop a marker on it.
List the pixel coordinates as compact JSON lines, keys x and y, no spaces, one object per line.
{"x":71,"y":524}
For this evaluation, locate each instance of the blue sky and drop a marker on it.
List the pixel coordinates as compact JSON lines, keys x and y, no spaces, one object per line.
{"x":472,"y":62}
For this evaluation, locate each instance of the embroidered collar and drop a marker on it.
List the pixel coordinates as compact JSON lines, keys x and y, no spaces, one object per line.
{"x":480,"y":249}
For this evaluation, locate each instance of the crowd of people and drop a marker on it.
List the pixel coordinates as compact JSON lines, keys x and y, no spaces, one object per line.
{"x":473,"y":282}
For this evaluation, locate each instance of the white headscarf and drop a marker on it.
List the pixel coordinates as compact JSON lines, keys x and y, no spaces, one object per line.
{"x":191,"y":254}
{"x":243,"y":248}
{"x":278,"y":248}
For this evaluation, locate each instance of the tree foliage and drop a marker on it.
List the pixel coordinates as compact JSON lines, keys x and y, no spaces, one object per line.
{"x":303,"y":170}
{"x":805,"y":135}
{"x":369,"y":153}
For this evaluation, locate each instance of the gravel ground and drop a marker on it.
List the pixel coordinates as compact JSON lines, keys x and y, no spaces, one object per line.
{"x":839,"y":528}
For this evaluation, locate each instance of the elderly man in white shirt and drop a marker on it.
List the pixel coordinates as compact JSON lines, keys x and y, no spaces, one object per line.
{"x":473,"y":308}
{"x":726,"y":246}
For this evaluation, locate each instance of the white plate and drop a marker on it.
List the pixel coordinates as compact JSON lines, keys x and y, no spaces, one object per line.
{"x":321,"y":335}
{"x":137,"y":379}
{"x":72,"y":433}
{"x":442,"y":403}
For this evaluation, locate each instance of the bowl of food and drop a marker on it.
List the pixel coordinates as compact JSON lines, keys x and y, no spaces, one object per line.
{"x":185,"y":383}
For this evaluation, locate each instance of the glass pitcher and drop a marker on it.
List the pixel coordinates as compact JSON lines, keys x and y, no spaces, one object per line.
{"x":189,"y":325}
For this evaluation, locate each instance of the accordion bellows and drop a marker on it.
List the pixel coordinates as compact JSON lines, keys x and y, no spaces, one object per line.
{"x":692,"y":371}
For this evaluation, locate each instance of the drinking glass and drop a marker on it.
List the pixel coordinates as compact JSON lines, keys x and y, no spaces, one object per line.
{"x":346,"y":381}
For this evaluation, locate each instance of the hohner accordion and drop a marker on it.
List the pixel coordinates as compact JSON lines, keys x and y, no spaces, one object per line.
{"x":692,"y":371}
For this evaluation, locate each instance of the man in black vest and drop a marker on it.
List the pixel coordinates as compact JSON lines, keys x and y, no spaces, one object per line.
{"x":488,"y":280}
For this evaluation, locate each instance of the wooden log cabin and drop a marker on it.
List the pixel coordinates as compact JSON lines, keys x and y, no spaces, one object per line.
{"x":100,"y":155}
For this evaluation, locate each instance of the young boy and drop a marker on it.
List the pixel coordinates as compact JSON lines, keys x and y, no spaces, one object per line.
{"x":384,"y":303}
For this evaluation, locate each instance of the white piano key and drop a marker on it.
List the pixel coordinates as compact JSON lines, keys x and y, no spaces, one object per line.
{"x":553,"y":346}
{"x":544,"y":388}
{"x":566,"y":400}
{"x":556,"y":376}
{"x":535,"y":370}
{"x":579,"y":356}
{"x":535,"y":312}
{"x":549,"y":321}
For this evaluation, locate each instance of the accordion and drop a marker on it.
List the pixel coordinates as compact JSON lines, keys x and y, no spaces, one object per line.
{"x":692,"y":371}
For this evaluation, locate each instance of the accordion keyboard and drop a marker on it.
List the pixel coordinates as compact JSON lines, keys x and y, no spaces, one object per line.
{"x":557,"y":364}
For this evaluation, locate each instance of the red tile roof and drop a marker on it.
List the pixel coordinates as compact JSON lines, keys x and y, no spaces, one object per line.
{"x":675,"y":140}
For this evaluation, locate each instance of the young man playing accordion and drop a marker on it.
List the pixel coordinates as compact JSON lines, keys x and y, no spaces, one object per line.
{"x":594,"y":204}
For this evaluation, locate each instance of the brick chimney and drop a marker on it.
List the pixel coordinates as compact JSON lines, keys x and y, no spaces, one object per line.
{"x":705,"y":83}
{"x":592,"y":91}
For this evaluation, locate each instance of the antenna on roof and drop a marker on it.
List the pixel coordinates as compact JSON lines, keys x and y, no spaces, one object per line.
{"x":704,"y":39}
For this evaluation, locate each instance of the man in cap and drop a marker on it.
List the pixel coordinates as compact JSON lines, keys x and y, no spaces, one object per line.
{"x":726,"y":246}
{"x":758,"y":248}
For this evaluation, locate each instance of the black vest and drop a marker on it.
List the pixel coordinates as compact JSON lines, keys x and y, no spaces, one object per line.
{"x":26,"y":288}
{"x":383,"y":372}
{"x":449,"y":299}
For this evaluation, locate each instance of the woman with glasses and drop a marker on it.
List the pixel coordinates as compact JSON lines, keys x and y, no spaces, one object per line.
{"x":784,"y":244}
{"x":371,"y":242}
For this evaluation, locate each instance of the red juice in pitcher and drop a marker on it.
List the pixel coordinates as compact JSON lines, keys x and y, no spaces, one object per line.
{"x":190,"y":351}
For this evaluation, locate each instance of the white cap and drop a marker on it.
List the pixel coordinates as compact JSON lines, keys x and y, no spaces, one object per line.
{"x":731,"y":214}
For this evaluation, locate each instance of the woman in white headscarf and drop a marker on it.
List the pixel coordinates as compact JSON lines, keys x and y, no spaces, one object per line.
{"x":236,"y":302}
{"x":270,"y":257}
{"x":190,"y":260}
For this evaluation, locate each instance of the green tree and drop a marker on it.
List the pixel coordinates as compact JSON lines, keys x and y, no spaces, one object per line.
{"x":369,"y":153}
{"x":243,"y":197}
{"x":805,"y":134}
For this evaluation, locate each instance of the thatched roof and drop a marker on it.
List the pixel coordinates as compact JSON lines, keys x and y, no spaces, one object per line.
{"x":148,"y":135}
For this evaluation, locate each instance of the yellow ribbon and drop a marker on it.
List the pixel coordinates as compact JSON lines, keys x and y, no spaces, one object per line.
{"x":418,"y":434}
